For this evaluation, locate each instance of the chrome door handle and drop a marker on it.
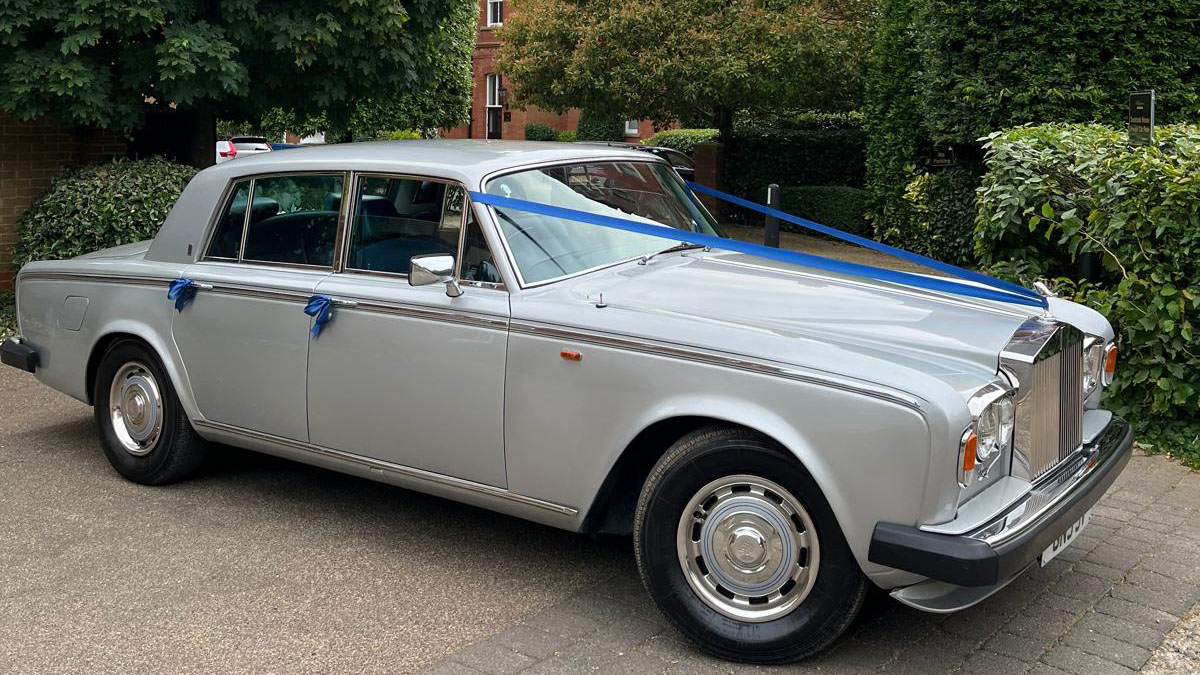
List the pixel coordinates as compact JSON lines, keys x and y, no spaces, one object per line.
{"x":345,"y":303}
{"x":202,"y":287}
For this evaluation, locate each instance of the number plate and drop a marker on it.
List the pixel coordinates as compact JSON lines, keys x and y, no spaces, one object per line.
{"x":1064,"y":540}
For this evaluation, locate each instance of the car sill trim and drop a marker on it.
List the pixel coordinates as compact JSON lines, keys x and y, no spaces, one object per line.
{"x":412,"y":473}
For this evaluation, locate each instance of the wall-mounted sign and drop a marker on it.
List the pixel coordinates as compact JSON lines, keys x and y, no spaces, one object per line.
{"x":1141,"y":117}
{"x":941,"y":156}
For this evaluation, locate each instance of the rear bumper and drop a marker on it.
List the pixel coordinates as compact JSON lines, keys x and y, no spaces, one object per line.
{"x":999,"y":551}
{"x":14,"y":352}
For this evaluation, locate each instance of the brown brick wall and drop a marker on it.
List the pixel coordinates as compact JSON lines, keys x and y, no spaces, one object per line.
{"x":31,"y":154}
{"x":483,"y":63}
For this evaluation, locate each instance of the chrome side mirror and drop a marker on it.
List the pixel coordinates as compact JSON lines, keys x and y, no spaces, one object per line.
{"x":433,"y":269}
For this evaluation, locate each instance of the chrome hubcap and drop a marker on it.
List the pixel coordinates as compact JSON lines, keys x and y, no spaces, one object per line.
{"x":748,"y":548}
{"x":135,"y":408}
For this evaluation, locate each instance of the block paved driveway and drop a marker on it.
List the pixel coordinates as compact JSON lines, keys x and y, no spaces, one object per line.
{"x":266,"y":566}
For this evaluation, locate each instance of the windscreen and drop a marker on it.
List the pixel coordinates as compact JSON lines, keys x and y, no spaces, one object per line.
{"x":545,"y":247}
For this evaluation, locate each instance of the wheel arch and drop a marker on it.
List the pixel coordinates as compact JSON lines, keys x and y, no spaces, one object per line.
{"x":130,"y":330}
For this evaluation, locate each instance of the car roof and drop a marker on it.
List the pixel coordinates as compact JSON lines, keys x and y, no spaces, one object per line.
{"x":464,"y":160}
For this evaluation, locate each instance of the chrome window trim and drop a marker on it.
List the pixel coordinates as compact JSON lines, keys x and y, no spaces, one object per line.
{"x":711,"y":357}
{"x":495,"y":220}
{"x":392,"y":468}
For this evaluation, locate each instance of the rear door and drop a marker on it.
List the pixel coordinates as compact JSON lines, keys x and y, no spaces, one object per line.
{"x":244,"y":339}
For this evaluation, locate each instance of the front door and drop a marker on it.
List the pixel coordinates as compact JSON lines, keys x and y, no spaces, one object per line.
{"x":406,"y":374}
{"x":244,"y":337}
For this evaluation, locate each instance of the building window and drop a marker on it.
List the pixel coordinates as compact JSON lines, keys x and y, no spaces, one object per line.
{"x":495,"y":12}
{"x":631,"y":127}
{"x":494,"y":109}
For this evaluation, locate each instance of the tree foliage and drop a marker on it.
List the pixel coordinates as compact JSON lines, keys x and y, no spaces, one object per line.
{"x":1055,"y":191}
{"x":105,"y":63}
{"x":667,"y":59}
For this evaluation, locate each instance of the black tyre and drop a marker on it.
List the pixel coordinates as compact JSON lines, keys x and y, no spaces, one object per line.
{"x":144,"y":431}
{"x":739,"y":549}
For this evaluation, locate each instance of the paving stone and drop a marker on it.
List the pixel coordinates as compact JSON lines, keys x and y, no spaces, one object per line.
{"x":1045,"y":669}
{"x":581,"y":657}
{"x":1075,"y":660}
{"x":623,"y":634}
{"x":1041,"y":621}
{"x":929,"y":657}
{"x":1121,"y":629}
{"x":1104,"y":572}
{"x":634,"y":663}
{"x":1138,"y":613}
{"x":1174,"y":602}
{"x":1153,"y":580}
{"x":560,"y":621}
{"x":1108,"y":648}
{"x":1065,"y":603}
{"x":987,"y":663}
{"x":1188,"y":574}
{"x":531,"y":641}
{"x":1111,"y":555}
{"x":1075,"y":585}
{"x":493,"y":658}
{"x":1018,"y":647}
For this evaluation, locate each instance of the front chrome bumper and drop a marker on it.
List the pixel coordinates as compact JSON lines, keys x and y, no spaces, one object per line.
{"x":991,"y":556}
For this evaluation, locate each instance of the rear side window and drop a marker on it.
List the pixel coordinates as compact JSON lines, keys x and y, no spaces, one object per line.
{"x":227,"y":237}
{"x":294,"y":219}
{"x":398,"y":218}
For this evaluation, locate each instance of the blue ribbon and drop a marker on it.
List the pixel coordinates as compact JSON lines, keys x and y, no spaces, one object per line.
{"x":320,"y":308}
{"x":181,"y":291}
{"x":993,"y":289}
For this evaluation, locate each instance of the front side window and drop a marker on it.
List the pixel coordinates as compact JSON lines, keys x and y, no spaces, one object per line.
{"x":544,"y":247}
{"x":294,"y":219}
{"x":398,"y":218}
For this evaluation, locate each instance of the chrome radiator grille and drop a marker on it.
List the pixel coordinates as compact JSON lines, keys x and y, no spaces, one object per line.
{"x":1049,"y":424}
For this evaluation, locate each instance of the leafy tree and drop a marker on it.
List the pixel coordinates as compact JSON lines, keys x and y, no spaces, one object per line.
{"x":667,"y":59}
{"x":107,"y":63}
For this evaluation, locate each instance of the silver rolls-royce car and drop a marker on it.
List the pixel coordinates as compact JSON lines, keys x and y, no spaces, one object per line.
{"x":775,"y":438}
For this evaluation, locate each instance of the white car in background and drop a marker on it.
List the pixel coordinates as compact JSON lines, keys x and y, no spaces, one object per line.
{"x":241,"y":146}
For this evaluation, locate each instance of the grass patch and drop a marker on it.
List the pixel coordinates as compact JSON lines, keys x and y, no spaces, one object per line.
{"x":8,"y":314}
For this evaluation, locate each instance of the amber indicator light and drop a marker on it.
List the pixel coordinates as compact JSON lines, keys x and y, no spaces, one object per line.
{"x":571,"y":355}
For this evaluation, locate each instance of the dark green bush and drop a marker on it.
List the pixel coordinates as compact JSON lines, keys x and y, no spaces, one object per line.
{"x":797,"y":120}
{"x":540,"y":132}
{"x":837,"y":206}
{"x":941,"y":218}
{"x":568,"y":136}
{"x":98,"y":206}
{"x":593,"y":127}
{"x":683,"y":140}
{"x":755,"y":158}
{"x":1054,"y":191}
{"x":8,"y":315}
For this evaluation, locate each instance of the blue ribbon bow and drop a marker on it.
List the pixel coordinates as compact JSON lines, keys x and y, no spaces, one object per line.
{"x":983,"y":286}
{"x":320,"y":308}
{"x":181,"y":291}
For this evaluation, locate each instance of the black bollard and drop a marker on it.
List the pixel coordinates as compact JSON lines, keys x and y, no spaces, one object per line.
{"x":771,"y":226}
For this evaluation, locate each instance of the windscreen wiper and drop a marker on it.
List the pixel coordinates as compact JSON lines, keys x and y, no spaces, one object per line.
{"x":678,"y":247}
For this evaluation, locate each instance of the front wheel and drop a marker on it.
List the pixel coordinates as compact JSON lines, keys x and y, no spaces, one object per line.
{"x":144,"y":430}
{"x":737,"y":546}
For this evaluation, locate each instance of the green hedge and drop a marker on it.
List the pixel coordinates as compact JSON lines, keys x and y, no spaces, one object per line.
{"x":99,"y":206}
{"x":755,"y":158}
{"x":8,"y":315}
{"x":948,"y":72}
{"x":593,"y":127}
{"x":683,"y":140}
{"x":540,"y":132}
{"x":1054,"y":191}
{"x":568,"y":136}
{"x":837,"y":206}
{"x":941,"y":218}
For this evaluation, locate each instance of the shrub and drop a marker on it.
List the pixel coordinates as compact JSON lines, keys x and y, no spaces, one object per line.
{"x":941,"y":221}
{"x":593,"y":127}
{"x":539,"y":132}
{"x":1054,"y":191}
{"x":837,"y":206}
{"x":98,"y":206}
{"x":755,"y":158}
{"x":798,"y":120}
{"x":683,"y":140}
{"x":568,"y":136}
{"x":403,"y":135}
{"x":8,"y":315}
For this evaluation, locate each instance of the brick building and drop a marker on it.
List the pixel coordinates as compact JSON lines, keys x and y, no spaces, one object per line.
{"x":31,"y":154}
{"x":492,"y":114}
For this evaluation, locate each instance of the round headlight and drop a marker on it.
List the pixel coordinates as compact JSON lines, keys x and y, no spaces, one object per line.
{"x":995,"y":428}
{"x":1093,"y":365}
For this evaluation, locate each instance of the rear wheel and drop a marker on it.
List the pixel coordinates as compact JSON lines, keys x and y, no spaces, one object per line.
{"x":738,"y":547}
{"x":143,"y":429}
